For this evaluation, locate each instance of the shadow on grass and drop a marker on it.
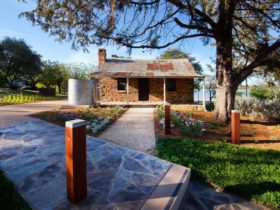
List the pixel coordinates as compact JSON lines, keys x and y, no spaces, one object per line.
{"x":256,"y":122}
{"x":259,"y":141}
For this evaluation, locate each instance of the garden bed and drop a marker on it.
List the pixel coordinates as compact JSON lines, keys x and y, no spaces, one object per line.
{"x":97,"y":119}
{"x":247,"y":172}
{"x":254,"y":132}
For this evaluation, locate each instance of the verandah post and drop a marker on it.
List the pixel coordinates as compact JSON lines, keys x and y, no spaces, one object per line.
{"x":167,"y":119}
{"x":164,"y":91}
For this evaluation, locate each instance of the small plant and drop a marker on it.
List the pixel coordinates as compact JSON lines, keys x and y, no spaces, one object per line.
{"x":210,"y":106}
{"x":192,"y":127}
{"x":213,"y":125}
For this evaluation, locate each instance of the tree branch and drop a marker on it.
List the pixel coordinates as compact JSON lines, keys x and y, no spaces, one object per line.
{"x":259,"y":60}
{"x":131,"y":45}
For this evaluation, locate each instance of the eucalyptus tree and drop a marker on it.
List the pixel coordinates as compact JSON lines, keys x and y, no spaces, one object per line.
{"x":244,"y":28}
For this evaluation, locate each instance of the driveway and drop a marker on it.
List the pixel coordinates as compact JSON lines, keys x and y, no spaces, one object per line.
{"x":134,"y":129}
{"x":14,"y":113}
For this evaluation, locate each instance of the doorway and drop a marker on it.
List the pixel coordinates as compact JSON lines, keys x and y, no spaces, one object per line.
{"x":143,"y":89}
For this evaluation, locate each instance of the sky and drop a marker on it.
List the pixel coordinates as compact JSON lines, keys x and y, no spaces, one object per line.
{"x":44,"y":44}
{"x":51,"y":49}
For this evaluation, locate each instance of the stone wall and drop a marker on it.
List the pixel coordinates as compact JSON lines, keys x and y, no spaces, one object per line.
{"x":110,"y":93}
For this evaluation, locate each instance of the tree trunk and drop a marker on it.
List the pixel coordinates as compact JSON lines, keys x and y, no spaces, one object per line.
{"x":59,"y":88}
{"x":225,"y":98}
{"x":226,"y":86}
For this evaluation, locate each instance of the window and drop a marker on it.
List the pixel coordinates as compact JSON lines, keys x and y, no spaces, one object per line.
{"x":121,"y":84}
{"x":171,"y":84}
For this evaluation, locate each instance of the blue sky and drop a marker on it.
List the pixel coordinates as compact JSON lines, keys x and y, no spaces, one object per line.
{"x":13,"y":26}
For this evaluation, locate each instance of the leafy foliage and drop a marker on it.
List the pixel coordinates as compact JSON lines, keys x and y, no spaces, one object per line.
{"x":18,"y":60}
{"x":264,"y":93}
{"x":178,"y":54}
{"x":250,"y":173}
{"x":210,"y":106}
{"x":80,"y":70}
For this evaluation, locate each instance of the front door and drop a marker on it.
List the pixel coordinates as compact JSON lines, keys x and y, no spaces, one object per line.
{"x":143,"y":87}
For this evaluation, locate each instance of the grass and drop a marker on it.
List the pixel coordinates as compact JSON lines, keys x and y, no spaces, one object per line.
{"x":10,"y":199}
{"x":250,"y":173}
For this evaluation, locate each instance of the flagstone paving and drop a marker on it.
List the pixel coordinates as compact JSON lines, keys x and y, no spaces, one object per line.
{"x":32,"y":155}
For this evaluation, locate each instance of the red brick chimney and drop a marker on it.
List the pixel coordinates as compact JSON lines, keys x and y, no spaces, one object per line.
{"x":101,"y":56}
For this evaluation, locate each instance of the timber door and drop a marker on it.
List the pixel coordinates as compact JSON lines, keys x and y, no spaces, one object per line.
{"x":143,"y":89}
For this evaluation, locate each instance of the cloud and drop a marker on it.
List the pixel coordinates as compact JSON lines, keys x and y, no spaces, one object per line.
{"x":82,"y":57}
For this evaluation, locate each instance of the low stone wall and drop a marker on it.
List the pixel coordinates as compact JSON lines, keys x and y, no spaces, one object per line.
{"x":110,"y":93}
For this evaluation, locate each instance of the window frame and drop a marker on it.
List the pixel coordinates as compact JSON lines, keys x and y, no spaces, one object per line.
{"x":121,"y":81}
{"x":171,"y":84}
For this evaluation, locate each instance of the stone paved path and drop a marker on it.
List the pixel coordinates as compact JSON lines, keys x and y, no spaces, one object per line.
{"x":134,"y":129}
{"x":14,"y":113}
{"x":32,"y":155}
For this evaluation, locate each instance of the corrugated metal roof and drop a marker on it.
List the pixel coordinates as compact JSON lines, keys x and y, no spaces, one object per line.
{"x":159,"y":68}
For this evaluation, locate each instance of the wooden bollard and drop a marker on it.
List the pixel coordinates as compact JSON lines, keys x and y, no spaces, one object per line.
{"x":76,"y":174}
{"x":235,"y":127}
{"x":167,"y":119}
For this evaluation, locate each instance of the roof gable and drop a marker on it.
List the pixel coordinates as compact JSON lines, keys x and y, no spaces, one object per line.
{"x":119,"y":67}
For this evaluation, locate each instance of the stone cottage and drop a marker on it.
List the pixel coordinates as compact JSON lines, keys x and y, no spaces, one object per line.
{"x":127,"y":81}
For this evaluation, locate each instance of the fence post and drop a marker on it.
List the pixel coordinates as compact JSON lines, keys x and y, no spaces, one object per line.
{"x":167,"y":119}
{"x":76,"y":174}
{"x":235,"y":126}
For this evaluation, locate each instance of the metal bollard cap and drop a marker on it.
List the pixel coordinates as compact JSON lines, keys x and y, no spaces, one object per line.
{"x":75,"y":123}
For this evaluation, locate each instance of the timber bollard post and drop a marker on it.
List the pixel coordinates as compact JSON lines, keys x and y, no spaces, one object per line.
{"x":235,"y":126}
{"x":76,"y":174}
{"x":167,"y":119}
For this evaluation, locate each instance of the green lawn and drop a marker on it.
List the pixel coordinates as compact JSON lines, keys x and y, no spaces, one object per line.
{"x":250,"y":173}
{"x":10,"y":199}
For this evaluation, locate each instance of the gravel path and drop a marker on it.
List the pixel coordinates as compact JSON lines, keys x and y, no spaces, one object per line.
{"x":134,"y":129}
{"x":15,"y":113}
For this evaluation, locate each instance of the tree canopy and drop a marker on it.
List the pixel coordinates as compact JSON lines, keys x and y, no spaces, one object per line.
{"x":17,"y":59}
{"x":243,"y":29}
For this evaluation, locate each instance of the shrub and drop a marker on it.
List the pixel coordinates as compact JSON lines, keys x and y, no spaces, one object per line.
{"x":239,"y":94}
{"x":253,"y":107}
{"x":261,"y":93}
{"x":192,"y":127}
{"x":160,"y":112}
{"x":210,"y":106}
